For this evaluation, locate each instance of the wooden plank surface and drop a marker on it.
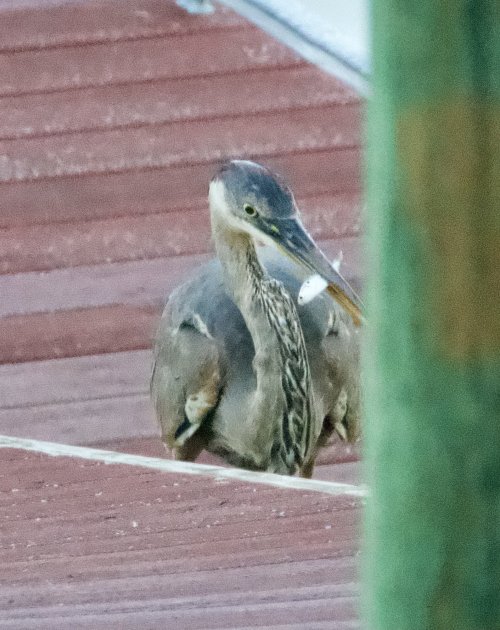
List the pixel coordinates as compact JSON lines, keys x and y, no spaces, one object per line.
{"x":74,"y":379}
{"x":73,"y":243}
{"x":143,"y":104}
{"x":144,"y":191}
{"x":173,"y":144}
{"x":115,"y":115}
{"x":40,"y":24}
{"x":92,"y":546}
{"x":77,"y":332}
{"x":136,"y":282}
{"x":71,"y":69}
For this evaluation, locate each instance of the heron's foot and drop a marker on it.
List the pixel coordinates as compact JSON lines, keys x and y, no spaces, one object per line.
{"x":307,"y":470}
{"x":189,"y":450}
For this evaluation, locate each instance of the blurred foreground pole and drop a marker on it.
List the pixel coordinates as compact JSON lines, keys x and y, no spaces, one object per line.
{"x":432,"y":362}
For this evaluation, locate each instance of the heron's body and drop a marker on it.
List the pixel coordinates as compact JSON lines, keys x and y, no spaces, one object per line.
{"x":244,"y":372}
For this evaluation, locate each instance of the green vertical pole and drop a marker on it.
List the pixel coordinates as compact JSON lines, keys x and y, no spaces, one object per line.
{"x":432,"y":358}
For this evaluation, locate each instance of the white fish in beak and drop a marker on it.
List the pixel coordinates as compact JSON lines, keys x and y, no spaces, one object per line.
{"x":315,"y":284}
{"x":310,"y":288}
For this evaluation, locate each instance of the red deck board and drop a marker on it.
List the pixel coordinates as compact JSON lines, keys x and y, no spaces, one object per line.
{"x":48,"y":24}
{"x":58,"y":245}
{"x":141,"y":282}
{"x":234,"y":523}
{"x":127,"y":550}
{"x":74,"y":378}
{"x":160,"y":102}
{"x":77,"y":332}
{"x":179,"y":143}
{"x":346,"y":470}
{"x":116,"y":113}
{"x":145,"y":191}
{"x":137,"y":282}
{"x":84,"y":422}
{"x":71,"y":69}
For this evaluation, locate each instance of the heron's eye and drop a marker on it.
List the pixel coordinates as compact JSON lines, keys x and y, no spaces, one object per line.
{"x":250,"y":210}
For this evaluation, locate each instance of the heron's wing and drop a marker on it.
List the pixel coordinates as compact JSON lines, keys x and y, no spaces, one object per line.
{"x":187,"y":375}
{"x":340,"y":348}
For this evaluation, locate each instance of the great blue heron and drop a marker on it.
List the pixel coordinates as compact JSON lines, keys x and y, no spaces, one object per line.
{"x":239,"y":369}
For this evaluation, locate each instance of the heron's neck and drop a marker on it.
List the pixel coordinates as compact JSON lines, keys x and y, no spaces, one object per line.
{"x":242,"y":274}
{"x":284,"y":387}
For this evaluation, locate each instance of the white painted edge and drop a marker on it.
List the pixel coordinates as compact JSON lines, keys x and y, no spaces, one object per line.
{"x":335,"y":64}
{"x":218,"y":473}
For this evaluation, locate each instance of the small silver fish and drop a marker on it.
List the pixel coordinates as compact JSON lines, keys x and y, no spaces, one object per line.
{"x":315,"y":284}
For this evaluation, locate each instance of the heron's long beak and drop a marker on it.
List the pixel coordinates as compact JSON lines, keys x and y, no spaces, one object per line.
{"x":291,"y":237}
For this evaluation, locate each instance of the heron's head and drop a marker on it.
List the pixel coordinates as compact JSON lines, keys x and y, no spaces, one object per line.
{"x":248,"y":198}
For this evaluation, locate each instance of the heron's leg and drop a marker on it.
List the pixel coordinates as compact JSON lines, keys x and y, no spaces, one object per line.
{"x":190,"y":450}
{"x":308,"y":468}
{"x":193,"y":446}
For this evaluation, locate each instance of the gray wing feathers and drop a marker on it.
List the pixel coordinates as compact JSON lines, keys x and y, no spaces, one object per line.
{"x":341,"y":351}
{"x":204,"y":350}
{"x":187,"y":375}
